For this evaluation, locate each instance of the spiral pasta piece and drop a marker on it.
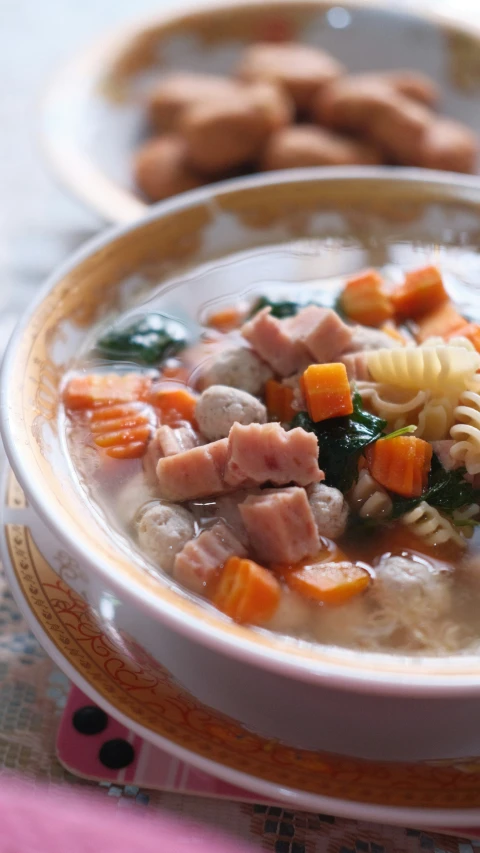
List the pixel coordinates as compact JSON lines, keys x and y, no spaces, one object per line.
{"x":458,"y":341}
{"x":466,"y":432}
{"x":436,"y":418}
{"x":368,"y":498}
{"x":389,"y":403}
{"x":428,"y":524}
{"x":435,"y":369}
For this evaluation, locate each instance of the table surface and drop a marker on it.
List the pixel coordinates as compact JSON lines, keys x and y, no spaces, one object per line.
{"x":39,"y":227}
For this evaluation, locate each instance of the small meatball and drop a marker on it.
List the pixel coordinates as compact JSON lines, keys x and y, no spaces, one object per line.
{"x":162,"y":531}
{"x":161,"y":171}
{"x":136,"y":492}
{"x":173,"y":94}
{"x":330,"y":510}
{"x":225,"y":134}
{"x":298,"y":69}
{"x":238,"y":368}
{"x":414,"y":85}
{"x":364,"y":339}
{"x":450,"y":146}
{"x":351,"y":103}
{"x":412,"y":593}
{"x":399,"y":129}
{"x":307,"y":145}
{"x":220,"y":406}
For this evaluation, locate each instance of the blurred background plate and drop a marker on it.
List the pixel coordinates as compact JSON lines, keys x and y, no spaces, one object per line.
{"x":93,"y":119}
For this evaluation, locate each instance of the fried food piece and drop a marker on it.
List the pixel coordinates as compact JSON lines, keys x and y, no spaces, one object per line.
{"x":298,"y":69}
{"x":449,"y":145}
{"x":161,"y":170}
{"x":173,"y":94}
{"x":308,"y":145}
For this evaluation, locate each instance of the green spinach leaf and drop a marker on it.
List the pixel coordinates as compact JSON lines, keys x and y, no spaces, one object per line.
{"x":342,"y":440}
{"x":147,"y":339}
{"x":279,"y":309}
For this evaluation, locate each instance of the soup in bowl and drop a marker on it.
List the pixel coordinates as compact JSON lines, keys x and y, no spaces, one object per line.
{"x":255,"y":416}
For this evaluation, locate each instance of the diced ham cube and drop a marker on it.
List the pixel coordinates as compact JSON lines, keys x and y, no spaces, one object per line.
{"x":266,"y":453}
{"x":195,"y":473}
{"x":280,"y":526}
{"x":200,"y":558}
{"x":357,"y":366}
{"x":271,"y":339}
{"x":168,"y":442}
{"x":321,"y":331}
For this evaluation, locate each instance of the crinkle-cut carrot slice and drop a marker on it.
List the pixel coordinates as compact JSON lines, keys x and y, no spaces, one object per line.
{"x":400,"y":464}
{"x":278,"y":399}
{"x":227,"y":319}
{"x":92,"y":390}
{"x":135,"y":450}
{"x":365,"y":300}
{"x":327,"y":582}
{"x":247,"y":592}
{"x":422,"y":292}
{"x":327,"y":391}
{"x":440,"y":322}
{"x":123,"y":437}
{"x":173,"y":405}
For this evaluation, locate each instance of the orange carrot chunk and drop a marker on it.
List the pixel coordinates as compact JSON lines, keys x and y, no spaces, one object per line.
{"x":327,"y":582}
{"x":365,"y":300}
{"x":174,"y":405}
{"x":226,"y":320}
{"x":247,"y":592}
{"x":400,"y":464}
{"x":441,"y":322}
{"x":278,"y":399}
{"x":422,"y":292}
{"x":471,"y":331}
{"x":327,"y":391}
{"x":104,"y":389}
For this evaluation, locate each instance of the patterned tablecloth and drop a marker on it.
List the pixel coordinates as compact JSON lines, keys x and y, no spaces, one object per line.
{"x":39,"y":227}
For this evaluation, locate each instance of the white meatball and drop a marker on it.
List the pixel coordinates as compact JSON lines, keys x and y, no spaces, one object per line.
{"x":413,"y":594}
{"x":329,"y":508}
{"x":219,"y":407}
{"x":136,"y":492}
{"x":238,"y":368}
{"x":365,"y":338}
{"x":163,"y":530}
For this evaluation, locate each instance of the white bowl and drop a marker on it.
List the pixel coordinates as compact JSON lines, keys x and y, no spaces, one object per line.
{"x":308,"y":695}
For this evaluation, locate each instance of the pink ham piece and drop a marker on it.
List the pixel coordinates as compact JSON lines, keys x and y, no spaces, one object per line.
{"x":200,"y":558}
{"x":272,"y":341}
{"x":280,"y":526}
{"x":195,"y":473}
{"x":266,"y":453}
{"x":168,"y":442}
{"x":321,"y":331}
{"x":357,"y":366}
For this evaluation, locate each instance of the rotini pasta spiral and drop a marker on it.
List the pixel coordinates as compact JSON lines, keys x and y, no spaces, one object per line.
{"x":435,"y":369}
{"x":428,"y":524}
{"x":436,"y":418}
{"x":466,"y":433}
{"x":368,"y":498}
{"x":458,"y":341}
{"x":397,"y":406}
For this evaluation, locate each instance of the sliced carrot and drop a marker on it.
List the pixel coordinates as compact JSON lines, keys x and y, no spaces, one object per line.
{"x":394,"y":332}
{"x":226,"y":320}
{"x":122,"y":431}
{"x":93,"y":390}
{"x":327,"y":582}
{"x":421,"y":292}
{"x":174,"y":405}
{"x":441,"y":322}
{"x":247,"y":592}
{"x":471,"y":331}
{"x":400,"y":464}
{"x":278,"y":399}
{"x":327,"y":391}
{"x":365,"y":300}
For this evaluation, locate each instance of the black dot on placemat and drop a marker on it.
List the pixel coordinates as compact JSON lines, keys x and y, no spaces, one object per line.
{"x":116,"y":754}
{"x":90,"y":720}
